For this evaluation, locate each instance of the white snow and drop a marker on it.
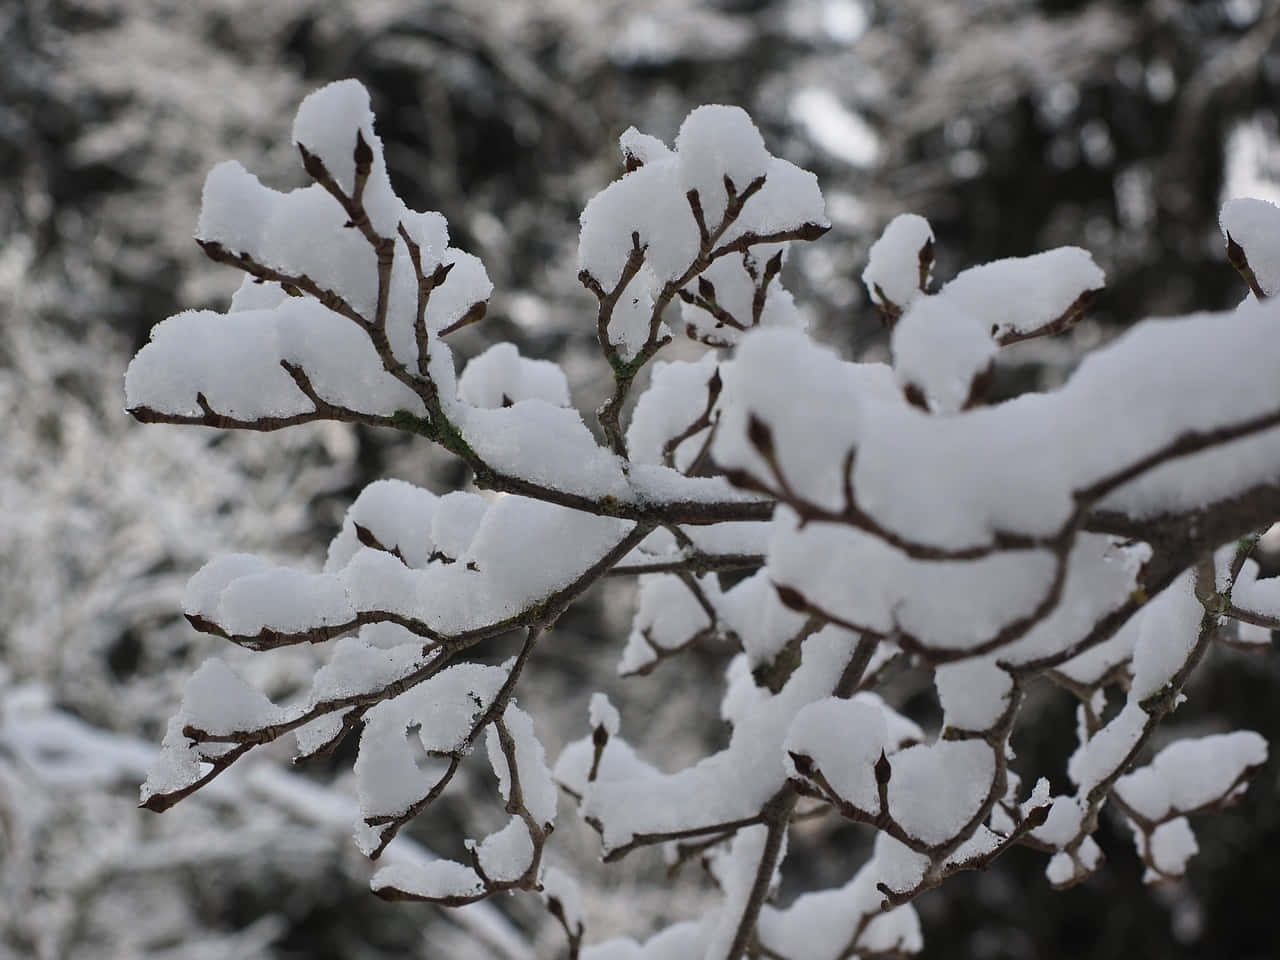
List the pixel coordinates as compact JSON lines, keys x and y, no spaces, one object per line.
{"x":735,"y":291}
{"x":439,"y":713}
{"x":500,"y":376}
{"x":752,"y":610}
{"x":602,"y":713}
{"x":545,"y":443}
{"x":651,"y":202}
{"x":726,"y":786}
{"x":936,"y":789}
{"x":218,"y":701}
{"x":716,"y":142}
{"x":1019,"y":295}
{"x":669,"y":617}
{"x":940,"y":348}
{"x":844,"y":739}
{"x":235,"y":361}
{"x":1172,"y":844}
{"x":536,"y":784}
{"x":1106,"y":751}
{"x":676,"y":395}
{"x":973,"y":693}
{"x":1169,"y":629}
{"x":953,"y":482}
{"x":1192,"y":773}
{"x":398,"y":514}
{"x":893,"y":262}
{"x":1255,"y":226}
{"x":505,"y":855}
{"x":436,"y":879}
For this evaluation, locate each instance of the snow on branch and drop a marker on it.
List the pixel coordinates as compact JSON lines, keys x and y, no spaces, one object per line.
{"x":830,"y":522}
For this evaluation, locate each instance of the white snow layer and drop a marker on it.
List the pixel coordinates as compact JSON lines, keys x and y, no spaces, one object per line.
{"x":235,"y":359}
{"x":714,"y":143}
{"x":1255,"y":226}
{"x":1191,"y":774}
{"x":955,"y":482}
{"x":893,"y":272}
{"x":727,"y":786}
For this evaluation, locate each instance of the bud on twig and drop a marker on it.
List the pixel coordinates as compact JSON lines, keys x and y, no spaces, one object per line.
{"x":790,"y":597}
{"x":1037,"y":817}
{"x":714,"y":386}
{"x":760,"y":435}
{"x":363,"y":155}
{"x":312,"y":163}
{"x":926,"y":264}
{"x":803,"y":764}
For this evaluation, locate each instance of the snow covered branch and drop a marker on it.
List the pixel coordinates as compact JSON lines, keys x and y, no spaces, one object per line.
{"x":830,"y":522}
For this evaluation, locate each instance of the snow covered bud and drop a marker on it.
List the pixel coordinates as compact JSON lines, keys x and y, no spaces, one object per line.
{"x":898,"y":265}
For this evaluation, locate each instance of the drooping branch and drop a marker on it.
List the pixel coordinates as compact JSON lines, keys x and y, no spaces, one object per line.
{"x":436,"y":657}
{"x":516,"y":805}
{"x":390,"y":825}
{"x":1065,"y":321}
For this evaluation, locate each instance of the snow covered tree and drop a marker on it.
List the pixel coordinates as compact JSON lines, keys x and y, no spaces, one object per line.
{"x":837,"y":522}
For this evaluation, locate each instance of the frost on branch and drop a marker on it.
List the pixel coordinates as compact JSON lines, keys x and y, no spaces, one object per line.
{"x":830,"y":522}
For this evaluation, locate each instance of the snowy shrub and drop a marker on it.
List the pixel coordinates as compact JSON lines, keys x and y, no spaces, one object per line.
{"x":837,"y":522}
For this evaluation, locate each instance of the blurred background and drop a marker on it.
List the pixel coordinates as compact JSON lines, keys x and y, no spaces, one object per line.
{"x":1013,"y":125}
